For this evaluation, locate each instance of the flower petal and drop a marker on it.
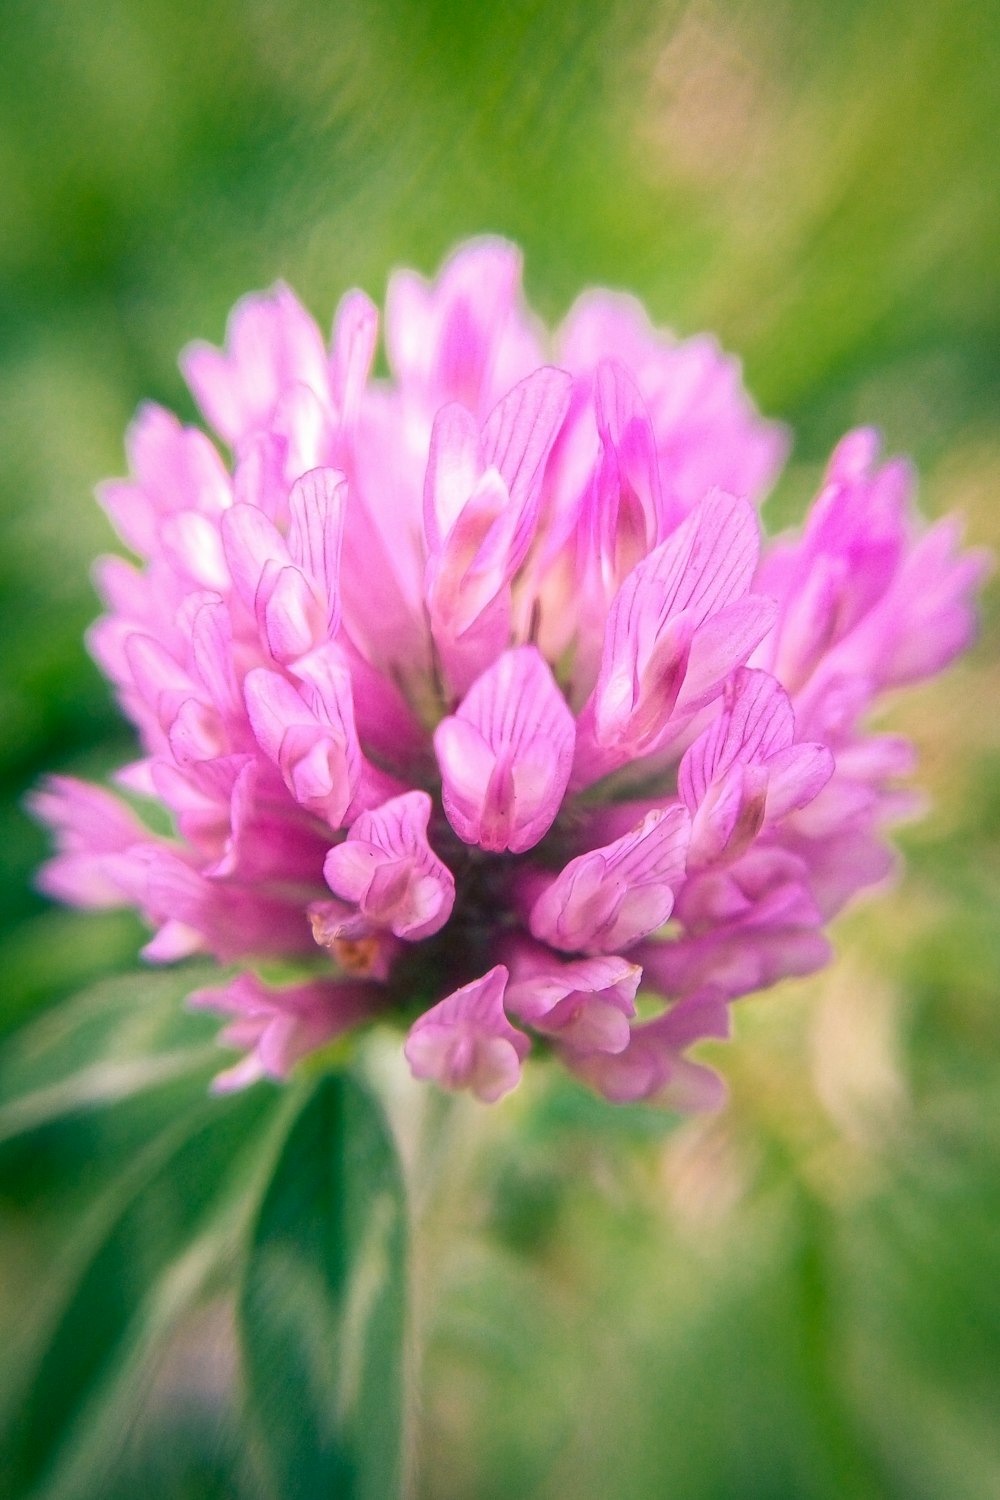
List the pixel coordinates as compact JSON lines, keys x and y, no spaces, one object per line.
{"x":466,"y":1041}
{"x":506,"y":755}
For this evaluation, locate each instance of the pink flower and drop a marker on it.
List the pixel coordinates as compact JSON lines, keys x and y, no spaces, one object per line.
{"x":480,"y":684}
{"x":277,"y":1027}
{"x":466,"y":1041}
{"x":586,"y":1004}
{"x":506,"y":755}
{"x":389,"y":871}
{"x":610,"y":897}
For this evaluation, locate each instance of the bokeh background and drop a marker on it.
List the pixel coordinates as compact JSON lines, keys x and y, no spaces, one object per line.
{"x":800,"y":1297}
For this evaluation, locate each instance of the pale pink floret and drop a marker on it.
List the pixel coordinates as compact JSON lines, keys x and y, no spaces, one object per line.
{"x":706,"y":430}
{"x":464,"y":337}
{"x":506,"y":755}
{"x":744,"y":770}
{"x":466,"y":1041}
{"x":927,"y":617}
{"x":481,"y":508}
{"x":653,"y":1066}
{"x":291,"y":587}
{"x":259,"y":842}
{"x":272,"y":345}
{"x":309,"y":733}
{"x":94,"y":829}
{"x":484,"y":664}
{"x":624,"y":516}
{"x":278,"y":1027}
{"x":197,"y":913}
{"x":308,"y":730}
{"x":841,"y":832}
{"x":176,"y":471}
{"x":861,"y":593}
{"x":585,"y":1004}
{"x":742,"y":928}
{"x":389,"y":870}
{"x":680,"y":623}
{"x":610,"y":898}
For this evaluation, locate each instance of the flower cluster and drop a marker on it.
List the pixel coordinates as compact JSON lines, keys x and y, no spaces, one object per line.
{"x":473,"y":691}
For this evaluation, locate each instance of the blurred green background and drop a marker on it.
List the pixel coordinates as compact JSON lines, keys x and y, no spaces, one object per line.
{"x":801,"y":1297}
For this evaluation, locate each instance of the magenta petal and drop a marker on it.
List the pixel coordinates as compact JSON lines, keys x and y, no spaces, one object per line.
{"x":466,"y":1041}
{"x":655,"y":618}
{"x":610,"y":898}
{"x":627,"y":513}
{"x":474,"y":562}
{"x":744,"y":769}
{"x":316,"y":505}
{"x":388,"y":869}
{"x":251,"y":541}
{"x":93,"y":829}
{"x":279,"y":1026}
{"x":585,"y":1004}
{"x":517,"y":439}
{"x":355,"y":333}
{"x":313,"y":744}
{"x":453,"y":466}
{"x":506,"y":755}
{"x":756,"y":722}
{"x":464,"y":336}
{"x":795,"y":776}
{"x":652,"y":1065}
{"x":271,"y":343}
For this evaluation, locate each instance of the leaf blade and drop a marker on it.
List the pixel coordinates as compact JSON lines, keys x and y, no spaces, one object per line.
{"x":322,"y":1310}
{"x":171,"y":1192}
{"x":107,"y":1043}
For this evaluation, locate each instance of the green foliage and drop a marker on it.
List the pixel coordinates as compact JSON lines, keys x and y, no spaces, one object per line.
{"x":322,"y":1306}
{"x":159,"y":1233}
{"x":120,"y":1038}
{"x":166,"y":1221}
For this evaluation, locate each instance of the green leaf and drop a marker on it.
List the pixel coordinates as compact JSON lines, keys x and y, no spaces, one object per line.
{"x":163,"y":1229}
{"x":115,"y":1040}
{"x":322,"y":1309}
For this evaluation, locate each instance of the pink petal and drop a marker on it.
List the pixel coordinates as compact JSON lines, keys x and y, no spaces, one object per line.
{"x":463,"y":337}
{"x":466,"y":1041}
{"x":517,"y":440}
{"x":506,"y":755}
{"x":610,"y":898}
{"x":652,"y":1065}
{"x":271,"y":344}
{"x":704,"y":566}
{"x":314,"y":745}
{"x":454,"y":464}
{"x":756,"y":722}
{"x":387,"y":867}
{"x":585,"y":1004}
{"x":355,"y":333}
{"x":316,"y":505}
{"x":251,"y":541}
{"x":280,"y":1026}
{"x":744,"y":768}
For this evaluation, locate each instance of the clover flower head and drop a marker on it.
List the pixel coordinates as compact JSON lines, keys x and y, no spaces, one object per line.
{"x":476,"y":691}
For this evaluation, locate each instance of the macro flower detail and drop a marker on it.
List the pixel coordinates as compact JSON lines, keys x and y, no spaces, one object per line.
{"x":466,"y":1041}
{"x":744,"y":769}
{"x":386,"y":867}
{"x":610,"y":897}
{"x":586,"y":1005}
{"x":477,"y":697}
{"x":680,"y":623}
{"x":506,"y":755}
